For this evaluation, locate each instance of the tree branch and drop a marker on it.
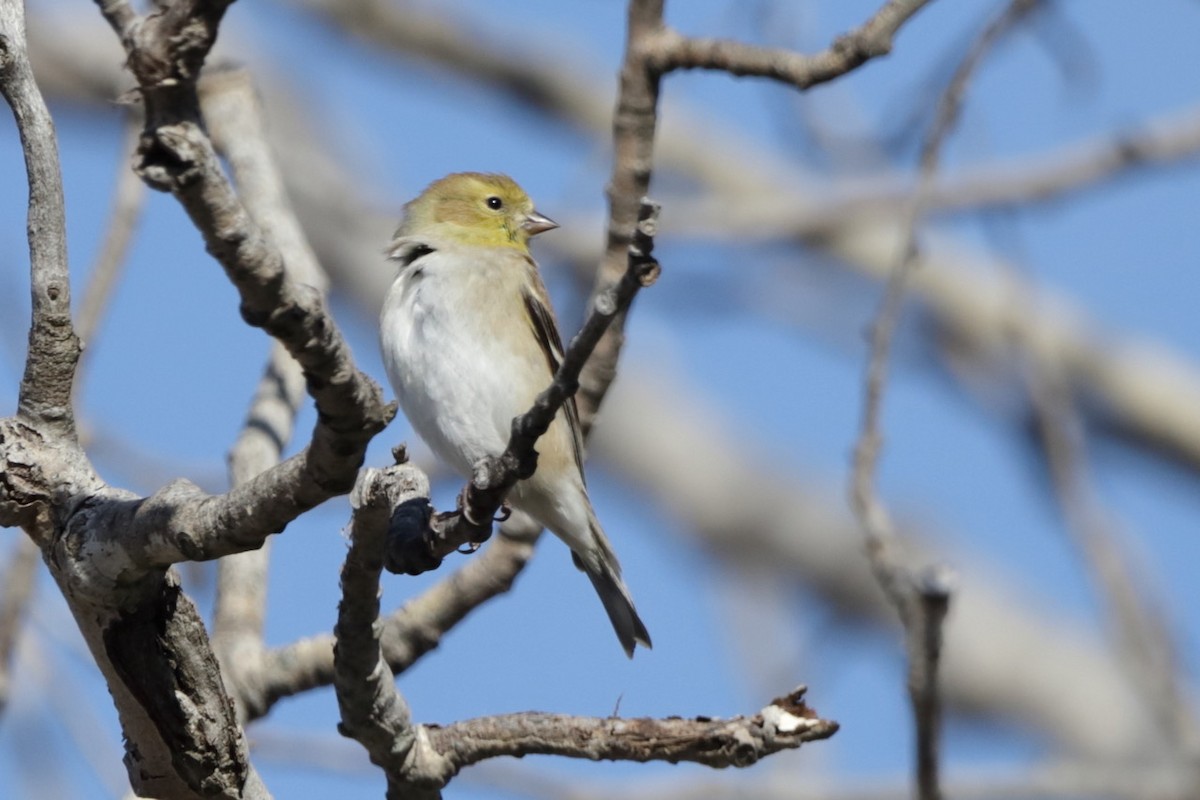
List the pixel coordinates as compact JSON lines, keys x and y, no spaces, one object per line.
{"x":45,"y":395}
{"x":1140,"y":634}
{"x":373,"y":712}
{"x":921,"y":598}
{"x":651,"y":51}
{"x":634,"y":123}
{"x":848,"y":51}
{"x":177,"y":156}
{"x":419,"y":759}
{"x":785,"y":724}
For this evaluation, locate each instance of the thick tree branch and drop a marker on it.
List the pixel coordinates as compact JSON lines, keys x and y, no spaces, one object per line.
{"x":373,"y":712}
{"x":419,"y":759}
{"x":182,"y":740}
{"x":45,"y":395}
{"x":166,"y":51}
{"x":785,"y":724}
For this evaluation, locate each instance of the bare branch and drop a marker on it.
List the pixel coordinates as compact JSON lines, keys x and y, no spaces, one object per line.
{"x":634,"y":123}
{"x":649,"y":50}
{"x":177,"y":156}
{"x":417,"y":759}
{"x":1020,"y":181}
{"x":920,"y":599}
{"x":373,"y":712}
{"x":849,"y":51}
{"x":785,"y":724}
{"x":1140,"y":633}
{"x":45,"y":395}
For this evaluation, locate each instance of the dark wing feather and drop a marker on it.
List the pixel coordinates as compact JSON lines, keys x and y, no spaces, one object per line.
{"x":545,"y":330}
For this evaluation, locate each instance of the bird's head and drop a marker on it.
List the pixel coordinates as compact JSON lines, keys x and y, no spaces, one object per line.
{"x":475,"y":208}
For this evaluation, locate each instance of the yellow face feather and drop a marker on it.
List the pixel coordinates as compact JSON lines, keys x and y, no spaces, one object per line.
{"x":477,"y":208}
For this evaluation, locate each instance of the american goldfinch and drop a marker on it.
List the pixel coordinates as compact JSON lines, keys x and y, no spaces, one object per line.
{"x":469,"y":340}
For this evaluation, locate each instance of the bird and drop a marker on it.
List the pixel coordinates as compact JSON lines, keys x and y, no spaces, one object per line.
{"x":469,"y":339}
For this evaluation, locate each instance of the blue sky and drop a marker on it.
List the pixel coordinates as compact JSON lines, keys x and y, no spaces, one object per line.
{"x":174,"y":367}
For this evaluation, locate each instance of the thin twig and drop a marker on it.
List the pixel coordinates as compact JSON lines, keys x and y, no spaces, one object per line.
{"x":921,"y":597}
{"x":634,"y":125}
{"x":1140,"y":634}
{"x":849,"y":51}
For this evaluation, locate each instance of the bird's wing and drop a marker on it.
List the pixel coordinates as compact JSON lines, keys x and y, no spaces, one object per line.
{"x":407,"y":249}
{"x":545,"y":330}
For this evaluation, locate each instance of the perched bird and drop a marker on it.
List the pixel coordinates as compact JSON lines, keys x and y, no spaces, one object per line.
{"x":469,"y":340}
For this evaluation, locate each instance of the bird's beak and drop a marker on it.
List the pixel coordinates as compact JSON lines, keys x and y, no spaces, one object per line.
{"x":536,"y":223}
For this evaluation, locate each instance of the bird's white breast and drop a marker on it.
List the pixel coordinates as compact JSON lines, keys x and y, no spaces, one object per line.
{"x":444,"y":336}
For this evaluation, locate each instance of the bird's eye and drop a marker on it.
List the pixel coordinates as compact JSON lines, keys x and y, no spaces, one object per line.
{"x":495,"y":203}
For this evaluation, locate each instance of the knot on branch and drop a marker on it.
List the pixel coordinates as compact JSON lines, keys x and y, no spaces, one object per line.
{"x":302,"y":310}
{"x":641,"y":263}
{"x":169,"y":157}
{"x":855,"y":49}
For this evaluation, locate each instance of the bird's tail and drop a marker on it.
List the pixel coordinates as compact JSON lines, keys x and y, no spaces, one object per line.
{"x":604,"y":571}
